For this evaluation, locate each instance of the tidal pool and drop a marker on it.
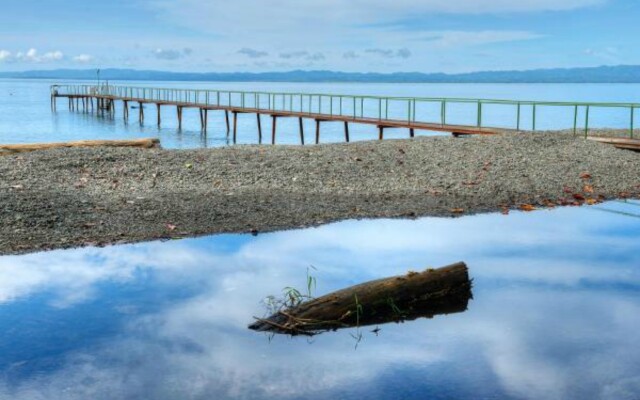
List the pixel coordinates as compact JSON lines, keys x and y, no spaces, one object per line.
{"x":555,"y":313}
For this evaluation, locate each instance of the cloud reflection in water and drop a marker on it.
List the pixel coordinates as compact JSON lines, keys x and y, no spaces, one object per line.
{"x":555,"y":314}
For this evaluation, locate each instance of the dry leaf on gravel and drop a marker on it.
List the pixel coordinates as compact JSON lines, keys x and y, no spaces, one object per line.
{"x":527,"y":207}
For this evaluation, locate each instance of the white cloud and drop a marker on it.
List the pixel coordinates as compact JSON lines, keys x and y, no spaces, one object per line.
{"x":52,"y":56}
{"x":29,"y":55}
{"x":83,"y":58}
{"x":350,"y":55}
{"x":466,"y":38}
{"x":32,"y":56}
{"x":339,"y":30}
{"x":390,"y":53}
{"x":5,"y":56}
{"x":252,"y":53}
{"x":303,"y":55}
{"x":249,"y":17}
{"x":167,"y":54}
{"x":610,"y":54}
{"x":294,"y":54}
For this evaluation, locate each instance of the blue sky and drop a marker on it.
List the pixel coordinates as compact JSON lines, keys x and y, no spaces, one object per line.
{"x":349,"y":35}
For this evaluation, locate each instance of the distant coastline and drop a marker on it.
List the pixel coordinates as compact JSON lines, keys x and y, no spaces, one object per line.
{"x":603,"y":74}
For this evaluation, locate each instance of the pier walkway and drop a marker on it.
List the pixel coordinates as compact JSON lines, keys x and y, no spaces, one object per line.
{"x":384,"y":112}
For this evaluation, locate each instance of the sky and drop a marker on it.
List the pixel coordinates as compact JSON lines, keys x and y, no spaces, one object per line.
{"x":449,"y":36}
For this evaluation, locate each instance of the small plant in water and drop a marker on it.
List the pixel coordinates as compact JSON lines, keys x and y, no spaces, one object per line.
{"x":311,"y":281}
{"x":292,"y":297}
{"x":359,"y":309}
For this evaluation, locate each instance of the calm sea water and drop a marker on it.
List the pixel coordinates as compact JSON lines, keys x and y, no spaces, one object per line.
{"x":25,"y":114}
{"x":555,"y":314}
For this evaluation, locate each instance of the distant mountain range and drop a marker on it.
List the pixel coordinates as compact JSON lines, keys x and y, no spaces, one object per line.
{"x":604,"y":74}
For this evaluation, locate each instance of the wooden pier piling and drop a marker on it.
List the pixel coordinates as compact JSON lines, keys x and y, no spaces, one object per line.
{"x":346,"y":131}
{"x":301,"y":124}
{"x":206,"y":120}
{"x":274,"y":119}
{"x":317,"y":131}
{"x":235,"y":126}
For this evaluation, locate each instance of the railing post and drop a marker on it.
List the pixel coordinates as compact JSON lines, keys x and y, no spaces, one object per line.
{"x":479,"y":114}
{"x":631,"y":130}
{"x":386,"y":108}
{"x":414,"y":110}
{"x":518,"y":123}
{"x":443,"y":111}
{"x":534,"y":117}
{"x":586,"y":123}
{"x":354,"y":107}
{"x":575,"y":120}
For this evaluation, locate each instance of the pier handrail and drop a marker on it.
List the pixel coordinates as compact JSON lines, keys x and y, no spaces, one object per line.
{"x":338,"y":104}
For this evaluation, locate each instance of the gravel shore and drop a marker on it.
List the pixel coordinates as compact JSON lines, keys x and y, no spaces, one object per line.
{"x":72,"y":197}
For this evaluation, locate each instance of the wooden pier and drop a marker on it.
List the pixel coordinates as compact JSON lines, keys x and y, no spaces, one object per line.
{"x":410,"y":113}
{"x":105,"y":101}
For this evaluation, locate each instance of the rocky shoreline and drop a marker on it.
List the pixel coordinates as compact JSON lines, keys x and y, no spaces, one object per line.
{"x":73,"y":197}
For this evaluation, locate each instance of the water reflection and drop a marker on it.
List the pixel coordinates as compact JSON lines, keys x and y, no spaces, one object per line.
{"x":555,"y":314}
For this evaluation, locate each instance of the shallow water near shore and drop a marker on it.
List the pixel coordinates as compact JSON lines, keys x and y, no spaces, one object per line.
{"x":555,"y":314}
{"x":26,"y":117}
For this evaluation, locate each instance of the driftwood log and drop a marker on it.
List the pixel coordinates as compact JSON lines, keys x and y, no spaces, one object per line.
{"x":416,"y":295}
{"x":621,"y":143}
{"x":148,"y":143}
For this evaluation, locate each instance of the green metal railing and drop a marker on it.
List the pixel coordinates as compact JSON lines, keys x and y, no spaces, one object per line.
{"x":370,"y":107}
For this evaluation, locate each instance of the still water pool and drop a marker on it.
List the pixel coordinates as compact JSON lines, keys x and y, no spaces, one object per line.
{"x":555,"y":314}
